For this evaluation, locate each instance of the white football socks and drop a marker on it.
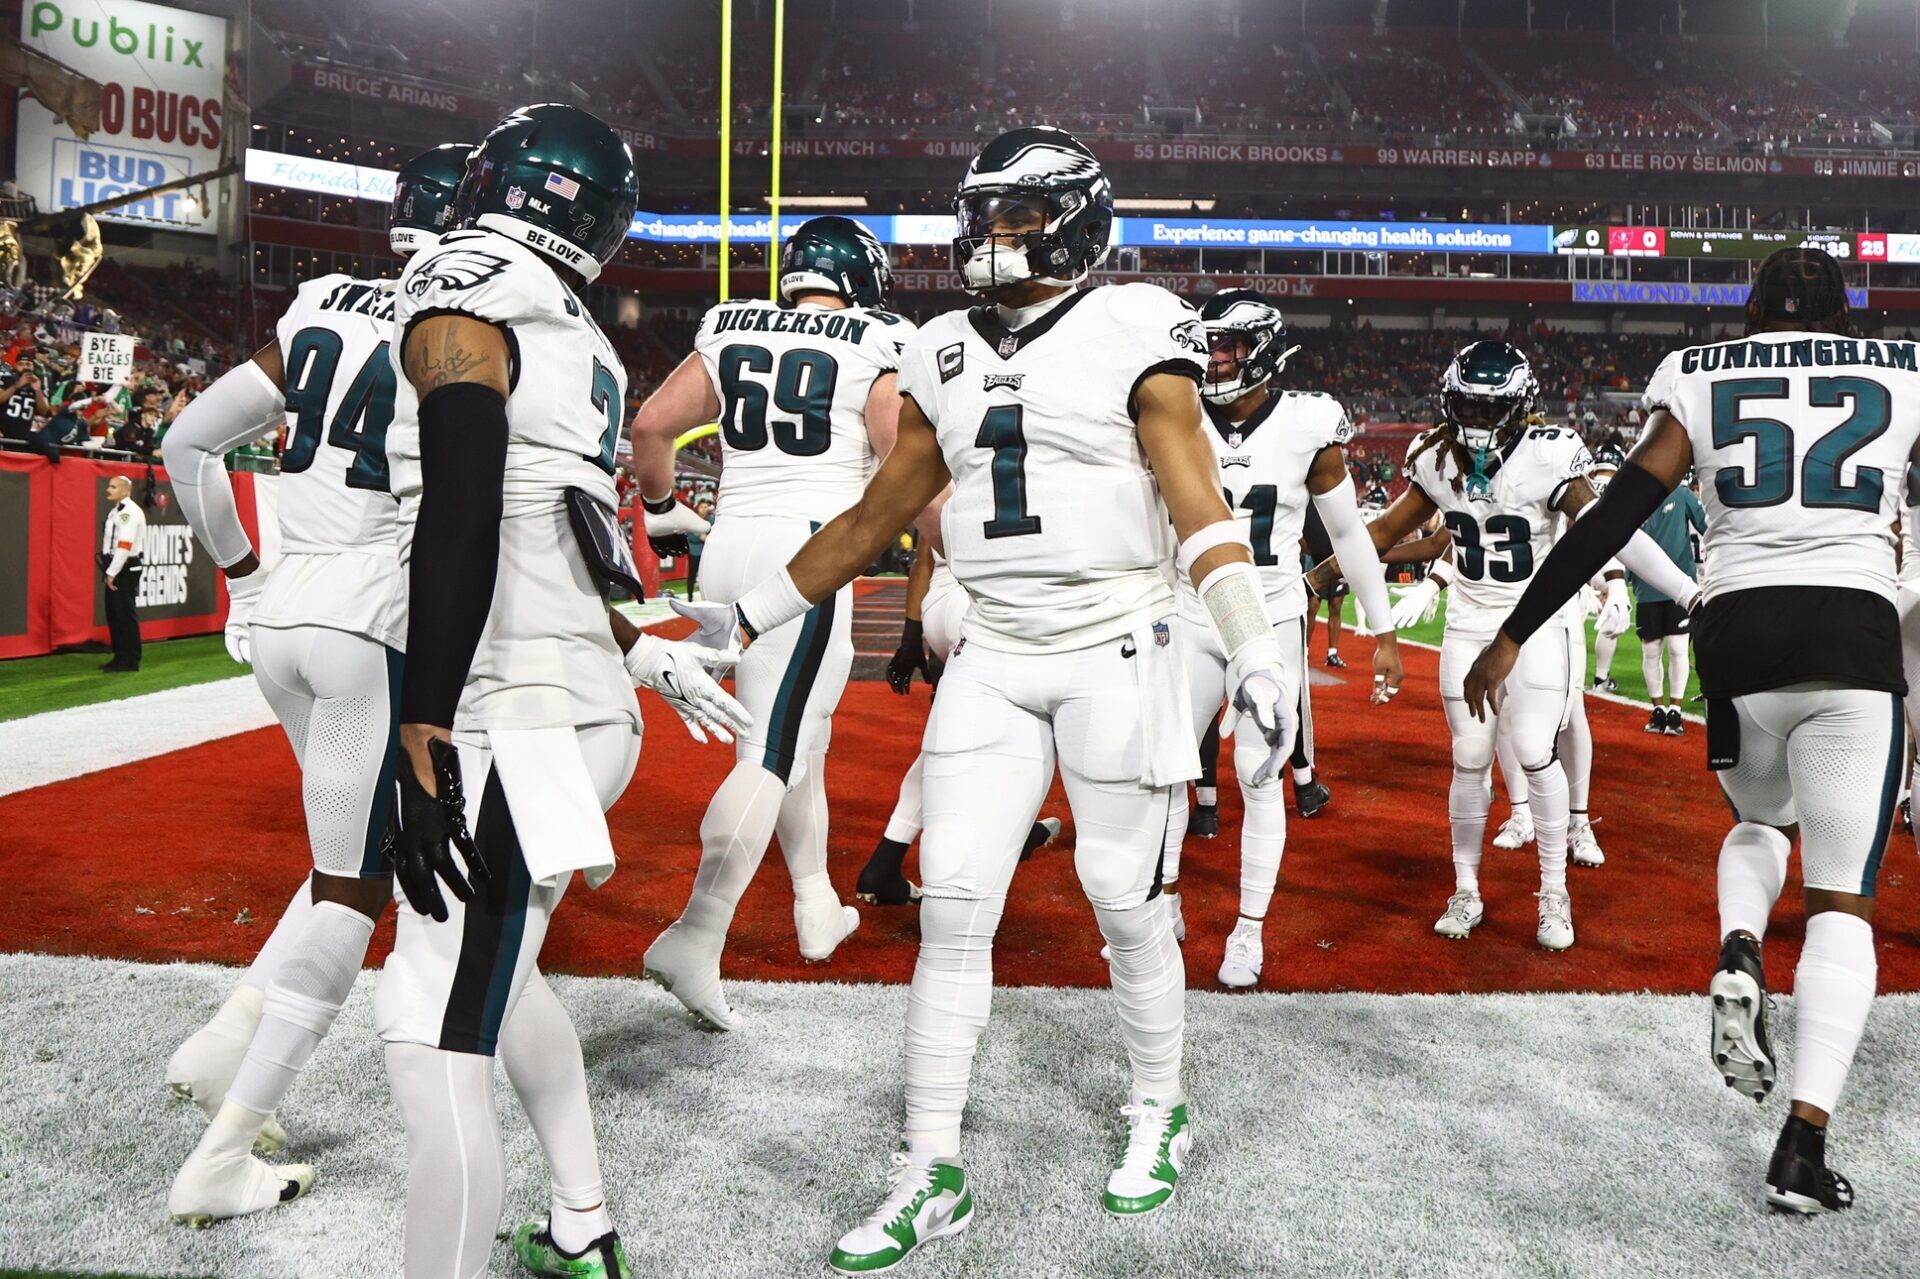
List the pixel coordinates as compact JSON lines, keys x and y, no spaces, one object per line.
{"x":801,"y":826}
{"x":734,"y":835}
{"x":541,"y":1052}
{"x":455,"y":1172}
{"x":1149,"y":979}
{"x":1467,"y":803}
{"x":1263,"y":842}
{"x":306,"y":995}
{"x":1576,"y":756}
{"x":280,"y":941}
{"x":1832,"y":993}
{"x":947,"y":1008}
{"x":1753,"y":870}
{"x":1547,"y":795}
{"x":1603,"y":647}
{"x":903,"y":827}
{"x":1676,"y":646}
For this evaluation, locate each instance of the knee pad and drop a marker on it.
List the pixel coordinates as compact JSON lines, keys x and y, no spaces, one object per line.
{"x":1115,"y":871}
{"x":1473,"y":754}
{"x":1134,"y":930}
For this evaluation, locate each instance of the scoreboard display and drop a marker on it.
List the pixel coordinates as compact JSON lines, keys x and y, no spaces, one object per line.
{"x":1691,"y":242}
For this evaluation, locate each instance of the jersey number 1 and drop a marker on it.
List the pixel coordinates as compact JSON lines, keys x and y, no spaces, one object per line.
{"x":360,"y":424}
{"x":1000,"y":431}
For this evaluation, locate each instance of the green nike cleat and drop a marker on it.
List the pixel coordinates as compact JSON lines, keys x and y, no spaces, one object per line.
{"x":604,"y":1258}
{"x":1158,"y":1138}
{"x":926,"y":1203}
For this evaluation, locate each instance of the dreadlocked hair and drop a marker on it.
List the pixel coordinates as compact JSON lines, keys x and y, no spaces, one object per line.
{"x":1801,"y":288}
{"x":1444,"y":435}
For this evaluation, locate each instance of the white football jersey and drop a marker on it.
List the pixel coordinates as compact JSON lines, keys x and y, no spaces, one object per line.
{"x":1502,"y":533}
{"x":339,"y":565}
{"x":792,"y":384}
{"x":1801,"y":443}
{"x":1055,"y":528}
{"x":1264,"y":462}
{"x":547,"y":657}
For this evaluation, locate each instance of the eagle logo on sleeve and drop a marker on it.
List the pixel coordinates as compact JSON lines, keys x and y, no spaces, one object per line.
{"x":455,"y":270}
{"x":1190,"y":335}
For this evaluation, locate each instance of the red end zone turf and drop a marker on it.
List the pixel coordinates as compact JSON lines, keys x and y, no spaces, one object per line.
{"x":155,"y":862}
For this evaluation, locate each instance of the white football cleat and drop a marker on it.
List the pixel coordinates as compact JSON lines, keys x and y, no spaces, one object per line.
{"x":687,"y":967}
{"x":1556,"y":920}
{"x":822,"y":923}
{"x":202,"y":1069}
{"x":1582,"y":847}
{"x":1465,"y":910}
{"x":1516,"y":831}
{"x":926,"y":1202}
{"x":1241,"y":967}
{"x":211,"y":1187}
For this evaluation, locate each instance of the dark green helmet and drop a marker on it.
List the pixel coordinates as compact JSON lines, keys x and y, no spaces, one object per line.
{"x":1035,"y":205}
{"x":1488,"y":391}
{"x":558,"y":180}
{"x":838,"y":255}
{"x":423,"y":197}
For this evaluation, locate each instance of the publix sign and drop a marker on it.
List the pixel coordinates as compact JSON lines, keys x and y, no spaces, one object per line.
{"x":161,"y":111}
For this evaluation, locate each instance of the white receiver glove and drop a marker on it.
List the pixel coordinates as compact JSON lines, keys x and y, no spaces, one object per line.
{"x":242,"y":594}
{"x":677,"y":673}
{"x":1417,"y":604}
{"x":718,"y":624}
{"x":1254,"y":676}
{"x":1615,"y":613}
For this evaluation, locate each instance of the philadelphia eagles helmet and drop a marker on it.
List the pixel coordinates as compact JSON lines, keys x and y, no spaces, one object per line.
{"x":1247,"y":331}
{"x":837,"y":255}
{"x":1049,"y":194}
{"x":558,"y":180}
{"x":1488,"y":391}
{"x":423,"y":197}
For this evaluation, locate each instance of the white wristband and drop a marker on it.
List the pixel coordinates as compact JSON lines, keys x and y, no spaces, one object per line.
{"x":1232,"y":596}
{"x":1441,"y":572}
{"x":774,"y":602}
{"x":1219,"y":533}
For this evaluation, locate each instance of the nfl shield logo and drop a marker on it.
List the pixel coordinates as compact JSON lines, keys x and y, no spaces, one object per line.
{"x":516,"y":197}
{"x":1233,"y":440}
{"x":1161,"y":635}
{"x":1008,"y":345}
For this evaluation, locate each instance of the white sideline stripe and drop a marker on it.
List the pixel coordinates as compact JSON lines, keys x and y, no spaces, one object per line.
{"x":1453,"y":1136}
{"x":57,"y":745}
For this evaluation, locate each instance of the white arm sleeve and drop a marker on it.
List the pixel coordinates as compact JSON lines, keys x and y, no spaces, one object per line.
{"x":1353,"y":547}
{"x":1643,"y":558}
{"x":235,"y":409}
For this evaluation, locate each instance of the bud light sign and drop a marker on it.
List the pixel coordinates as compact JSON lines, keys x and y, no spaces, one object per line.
{"x":162,"y":113}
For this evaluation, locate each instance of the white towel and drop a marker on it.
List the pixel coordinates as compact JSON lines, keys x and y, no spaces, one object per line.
{"x":556,"y":811}
{"x":1172,"y":756}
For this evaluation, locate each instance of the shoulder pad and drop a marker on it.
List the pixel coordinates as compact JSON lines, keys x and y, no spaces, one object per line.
{"x":484,"y":275}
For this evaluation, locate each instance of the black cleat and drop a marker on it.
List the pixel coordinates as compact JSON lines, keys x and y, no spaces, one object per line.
{"x":1798,"y":1179}
{"x":1656,"y":722}
{"x":1676,"y":726}
{"x":1311,"y":798}
{"x":881,"y":883}
{"x":1335,"y":661}
{"x":1740,"y":1049}
{"x":1906,"y":813}
{"x":1204,"y":821}
{"x":1044,"y":832}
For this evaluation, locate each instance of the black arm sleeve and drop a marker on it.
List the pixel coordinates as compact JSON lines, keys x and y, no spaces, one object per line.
{"x":456,"y":545}
{"x":1632,"y":496}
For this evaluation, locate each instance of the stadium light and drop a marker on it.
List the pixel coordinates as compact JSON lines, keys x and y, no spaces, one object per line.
{"x":1163,"y":206}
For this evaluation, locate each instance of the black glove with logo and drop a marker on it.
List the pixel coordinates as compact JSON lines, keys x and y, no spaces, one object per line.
{"x":423,"y":828}
{"x":911,"y":656}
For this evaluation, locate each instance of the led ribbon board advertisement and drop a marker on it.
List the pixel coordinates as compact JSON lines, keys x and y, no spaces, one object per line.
{"x":161,"y":114}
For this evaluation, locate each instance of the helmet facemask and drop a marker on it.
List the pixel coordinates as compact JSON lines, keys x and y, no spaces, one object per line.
{"x":1482,"y":420}
{"x":1006,"y":237}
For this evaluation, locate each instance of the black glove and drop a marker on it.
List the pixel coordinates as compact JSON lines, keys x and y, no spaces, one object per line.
{"x":422,"y":828}
{"x":911,"y":656}
{"x":671,"y":545}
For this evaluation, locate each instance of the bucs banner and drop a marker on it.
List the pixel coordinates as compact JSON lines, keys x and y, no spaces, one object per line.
{"x":52,"y":594}
{"x":161,"y":111}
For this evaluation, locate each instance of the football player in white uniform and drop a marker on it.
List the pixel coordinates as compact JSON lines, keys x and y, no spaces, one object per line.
{"x":1068,"y":420}
{"x":1801,"y":433}
{"x":1500,"y":482}
{"x":1275,"y":449}
{"x":324,"y":634}
{"x":805,"y":392}
{"x":518,"y":720}
{"x":936,"y":605}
